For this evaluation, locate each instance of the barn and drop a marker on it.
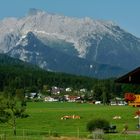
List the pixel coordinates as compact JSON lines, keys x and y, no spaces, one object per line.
{"x":133,"y":77}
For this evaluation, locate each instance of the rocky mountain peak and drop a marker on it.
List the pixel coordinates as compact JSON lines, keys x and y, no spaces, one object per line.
{"x":33,"y":12}
{"x":81,"y":40}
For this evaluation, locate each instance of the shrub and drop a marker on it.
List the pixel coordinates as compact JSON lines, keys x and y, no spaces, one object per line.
{"x":98,"y":124}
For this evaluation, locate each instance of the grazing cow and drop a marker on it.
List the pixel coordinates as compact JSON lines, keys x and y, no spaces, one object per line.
{"x":70,"y":117}
{"x":75,"y":117}
{"x":66,"y":117}
{"x":136,"y":117}
{"x":116,"y":117}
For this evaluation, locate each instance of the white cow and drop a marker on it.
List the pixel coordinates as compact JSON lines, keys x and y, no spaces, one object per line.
{"x":116,"y":117}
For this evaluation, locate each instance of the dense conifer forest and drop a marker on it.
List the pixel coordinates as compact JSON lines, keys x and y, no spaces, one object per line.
{"x":17,"y":74}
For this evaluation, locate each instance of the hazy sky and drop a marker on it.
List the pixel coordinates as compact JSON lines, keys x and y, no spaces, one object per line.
{"x":126,"y":13}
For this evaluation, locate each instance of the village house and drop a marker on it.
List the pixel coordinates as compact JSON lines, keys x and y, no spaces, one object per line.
{"x":68,"y":89}
{"x":118,"y":101}
{"x":31,"y":95}
{"x":55,"y":90}
{"x":71,"y":98}
{"x":83,"y":90}
{"x":50,"y":99}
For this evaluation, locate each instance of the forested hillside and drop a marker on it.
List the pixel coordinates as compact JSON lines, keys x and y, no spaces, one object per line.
{"x":15,"y":74}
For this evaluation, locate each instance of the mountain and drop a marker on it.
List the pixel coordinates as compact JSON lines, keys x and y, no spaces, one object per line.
{"x":79,"y":46}
{"x":37,"y":53}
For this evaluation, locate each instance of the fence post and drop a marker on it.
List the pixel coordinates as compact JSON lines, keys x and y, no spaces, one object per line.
{"x":78,"y":132}
{"x":1,"y":137}
{"x":4,"y":135}
{"x":125,"y":137}
{"x":23,"y":134}
{"x":49,"y":133}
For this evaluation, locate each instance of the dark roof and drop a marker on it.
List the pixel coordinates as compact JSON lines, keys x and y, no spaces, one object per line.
{"x":133,"y":77}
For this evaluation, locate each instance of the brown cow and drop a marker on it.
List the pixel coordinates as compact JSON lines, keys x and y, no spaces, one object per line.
{"x":76,"y":117}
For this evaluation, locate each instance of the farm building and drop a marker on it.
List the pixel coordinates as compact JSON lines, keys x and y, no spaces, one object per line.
{"x":132,"y":77}
{"x":118,"y":101}
{"x":132,"y":99}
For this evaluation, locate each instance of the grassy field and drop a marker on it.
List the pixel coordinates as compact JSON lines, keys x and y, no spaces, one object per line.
{"x":45,"y":120}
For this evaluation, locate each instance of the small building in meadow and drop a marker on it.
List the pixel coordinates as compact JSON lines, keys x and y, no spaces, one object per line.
{"x":118,"y":101}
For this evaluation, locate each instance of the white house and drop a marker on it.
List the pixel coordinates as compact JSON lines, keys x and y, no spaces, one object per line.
{"x":50,"y":99}
{"x":68,"y":89}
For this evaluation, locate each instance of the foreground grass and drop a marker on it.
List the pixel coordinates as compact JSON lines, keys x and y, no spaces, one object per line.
{"x":45,"y":120}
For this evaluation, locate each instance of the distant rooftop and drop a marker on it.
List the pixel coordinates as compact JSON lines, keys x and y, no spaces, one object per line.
{"x":133,"y":77}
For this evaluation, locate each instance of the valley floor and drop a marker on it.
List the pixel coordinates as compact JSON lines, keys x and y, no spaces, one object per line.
{"x":44,"y":121}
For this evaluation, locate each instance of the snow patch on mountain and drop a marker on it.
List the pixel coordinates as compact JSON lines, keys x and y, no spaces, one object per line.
{"x":23,"y":41}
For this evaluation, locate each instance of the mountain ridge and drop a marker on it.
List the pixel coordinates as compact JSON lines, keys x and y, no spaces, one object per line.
{"x":94,"y":42}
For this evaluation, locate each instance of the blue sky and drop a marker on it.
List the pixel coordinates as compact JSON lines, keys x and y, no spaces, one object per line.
{"x":126,"y":13}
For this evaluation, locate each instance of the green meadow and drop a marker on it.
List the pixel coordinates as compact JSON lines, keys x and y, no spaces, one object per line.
{"x":45,"y":120}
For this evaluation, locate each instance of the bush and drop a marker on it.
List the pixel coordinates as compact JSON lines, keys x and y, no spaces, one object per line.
{"x":55,"y":134}
{"x":98,"y":124}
